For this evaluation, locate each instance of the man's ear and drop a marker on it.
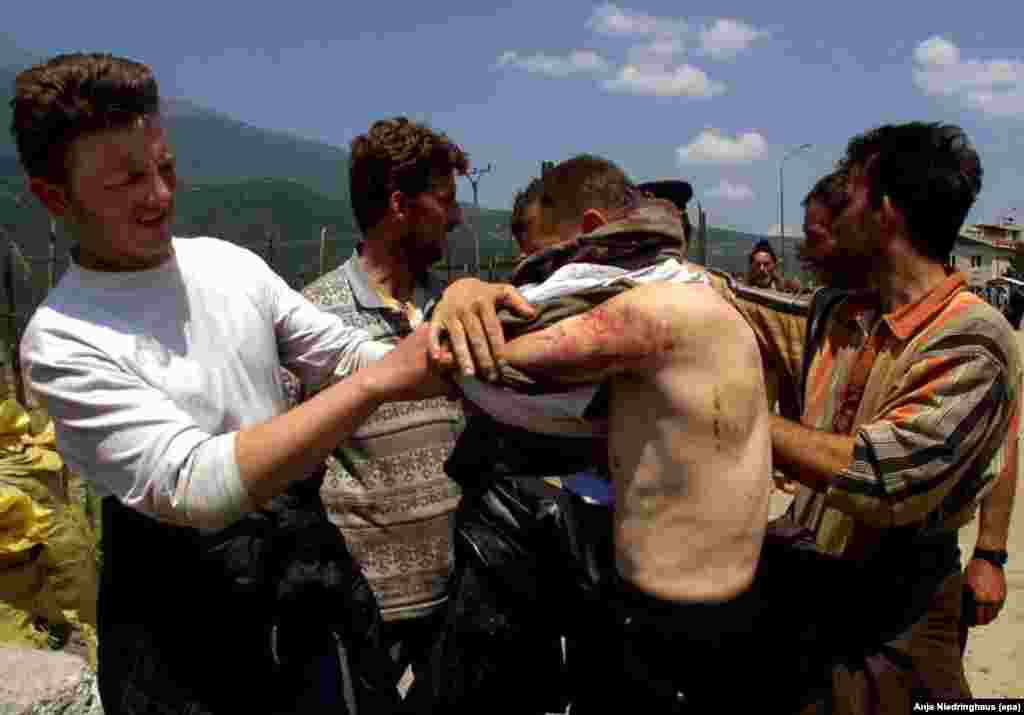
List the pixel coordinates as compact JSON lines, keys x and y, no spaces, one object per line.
{"x":593,"y":219}
{"x":54,"y":198}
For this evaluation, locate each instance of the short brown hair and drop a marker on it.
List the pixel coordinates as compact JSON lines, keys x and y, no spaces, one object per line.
{"x":71,"y":95}
{"x":581,"y":183}
{"x":397,"y":155}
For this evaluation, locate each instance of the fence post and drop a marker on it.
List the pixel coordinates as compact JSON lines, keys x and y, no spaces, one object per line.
{"x":270,"y":249}
{"x":51,"y":277}
{"x":323,"y":251}
{"x":12,"y":324}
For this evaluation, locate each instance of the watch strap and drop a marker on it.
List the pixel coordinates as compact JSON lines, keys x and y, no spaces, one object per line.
{"x":995,"y":557}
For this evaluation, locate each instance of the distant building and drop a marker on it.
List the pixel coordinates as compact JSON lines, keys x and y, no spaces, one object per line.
{"x":984,"y":251}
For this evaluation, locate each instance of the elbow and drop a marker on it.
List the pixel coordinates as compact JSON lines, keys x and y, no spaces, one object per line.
{"x":209,"y":494}
{"x":871,"y":508}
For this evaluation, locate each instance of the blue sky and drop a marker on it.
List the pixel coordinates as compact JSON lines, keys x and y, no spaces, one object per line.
{"x":715,"y":93}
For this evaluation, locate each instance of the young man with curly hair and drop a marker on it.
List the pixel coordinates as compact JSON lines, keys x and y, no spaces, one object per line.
{"x":385,"y":488}
{"x":224,"y":588}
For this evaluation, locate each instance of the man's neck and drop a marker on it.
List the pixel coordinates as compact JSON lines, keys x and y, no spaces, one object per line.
{"x":100,"y":264}
{"x":906,"y":277}
{"x":385,"y":266}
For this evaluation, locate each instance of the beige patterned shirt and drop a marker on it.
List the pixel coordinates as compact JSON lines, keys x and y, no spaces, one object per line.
{"x":386,"y":488}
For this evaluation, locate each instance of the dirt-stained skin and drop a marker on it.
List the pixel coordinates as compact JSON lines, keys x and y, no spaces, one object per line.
{"x":689,"y":446}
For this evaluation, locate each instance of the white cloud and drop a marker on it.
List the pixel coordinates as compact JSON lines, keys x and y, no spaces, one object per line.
{"x":660,"y":52}
{"x":580,"y":61}
{"x":1002,"y":104}
{"x":994,"y":87}
{"x":682,"y":81}
{"x":937,"y":51}
{"x":655,"y":62}
{"x":727,"y":38}
{"x":711,"y":147}
{"x":609,"y":19}
{"x":731,"y":192}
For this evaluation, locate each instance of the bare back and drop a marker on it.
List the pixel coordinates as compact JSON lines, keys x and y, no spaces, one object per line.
{"x":689,"y":441}
{"x":690,"y":453}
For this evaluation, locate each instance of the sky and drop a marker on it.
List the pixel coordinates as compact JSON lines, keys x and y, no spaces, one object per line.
{"x":722,"y":94}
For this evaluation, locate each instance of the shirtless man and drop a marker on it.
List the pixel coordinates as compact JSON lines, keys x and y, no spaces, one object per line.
{"x":688,"y":442}
{"x":689,"y":451}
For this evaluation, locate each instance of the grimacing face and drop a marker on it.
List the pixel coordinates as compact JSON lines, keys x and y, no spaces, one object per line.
{"x":120,"y":196}
{"x":433,"y":214}
{"x":856,"y":231}
{"x":820,"y":255}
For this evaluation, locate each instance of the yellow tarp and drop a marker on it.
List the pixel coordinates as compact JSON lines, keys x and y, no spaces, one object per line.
{"x":23,"y":522}
{"x":47,"y":547}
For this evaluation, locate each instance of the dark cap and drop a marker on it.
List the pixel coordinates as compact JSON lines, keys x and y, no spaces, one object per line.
{"x":763,"y":246}
{"x":677,"y":191}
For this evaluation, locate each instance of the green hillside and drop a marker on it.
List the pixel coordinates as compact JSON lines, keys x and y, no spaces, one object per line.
{"x":247,"y":184}
{"x":212,"y":148}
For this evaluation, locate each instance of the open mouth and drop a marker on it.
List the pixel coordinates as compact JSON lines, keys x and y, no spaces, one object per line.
{"x":153,"y":222}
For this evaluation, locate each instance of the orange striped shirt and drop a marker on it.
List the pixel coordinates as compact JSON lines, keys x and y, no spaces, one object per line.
{"x":938,"y":420}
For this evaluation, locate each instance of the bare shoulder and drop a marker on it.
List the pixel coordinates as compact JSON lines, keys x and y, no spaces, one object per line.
{"x":699,"y":318}
{"x":640,"y":331}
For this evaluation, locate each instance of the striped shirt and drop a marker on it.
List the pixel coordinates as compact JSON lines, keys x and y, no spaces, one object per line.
{"x":938,"y":419}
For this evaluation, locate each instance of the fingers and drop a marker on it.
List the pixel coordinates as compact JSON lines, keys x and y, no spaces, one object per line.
{"x":987,"y":612}
{"x":511,"y":298}
{"x":479,"y":331}
{"x":460,"y":348}
{"x":491,"y":345}
{"x":987,"y":583}
{"x":437,"y":329}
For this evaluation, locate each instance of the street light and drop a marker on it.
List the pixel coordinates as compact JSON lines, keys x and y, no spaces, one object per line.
{"x":474,"y":179}
{"x":782,"y":214}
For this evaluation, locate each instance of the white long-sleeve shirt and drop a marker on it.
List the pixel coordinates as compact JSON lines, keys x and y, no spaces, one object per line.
{"x":149,"y":375}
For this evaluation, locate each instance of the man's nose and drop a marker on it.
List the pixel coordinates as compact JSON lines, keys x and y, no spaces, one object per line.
{"x":160,"y":190}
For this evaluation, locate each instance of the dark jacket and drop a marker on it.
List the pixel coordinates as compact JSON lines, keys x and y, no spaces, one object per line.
{"x":237,"y":620}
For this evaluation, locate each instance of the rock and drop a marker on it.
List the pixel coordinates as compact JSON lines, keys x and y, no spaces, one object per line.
{"x":39,"y":682}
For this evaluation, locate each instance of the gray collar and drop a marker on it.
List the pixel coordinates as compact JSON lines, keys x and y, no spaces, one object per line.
{"x":424,"y":294}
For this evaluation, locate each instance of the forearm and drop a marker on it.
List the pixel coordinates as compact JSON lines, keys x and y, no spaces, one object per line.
{"x":627,"y":333}
{"x":996,"y":508}
{"x":273,"y":454}
{"x":809,"y":456}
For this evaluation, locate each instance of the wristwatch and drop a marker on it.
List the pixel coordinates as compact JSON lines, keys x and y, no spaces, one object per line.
{"x":995,"y":557}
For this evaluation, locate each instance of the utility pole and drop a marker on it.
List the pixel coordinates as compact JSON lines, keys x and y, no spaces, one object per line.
{"x":782,"y":214}
{"x":702,"y":236}
{"x":474,"y":180}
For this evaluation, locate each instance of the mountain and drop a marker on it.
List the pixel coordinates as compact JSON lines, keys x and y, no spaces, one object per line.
{"x":245,"y":183}
{"x":13,"y":56}
{"x":214,"y":148}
